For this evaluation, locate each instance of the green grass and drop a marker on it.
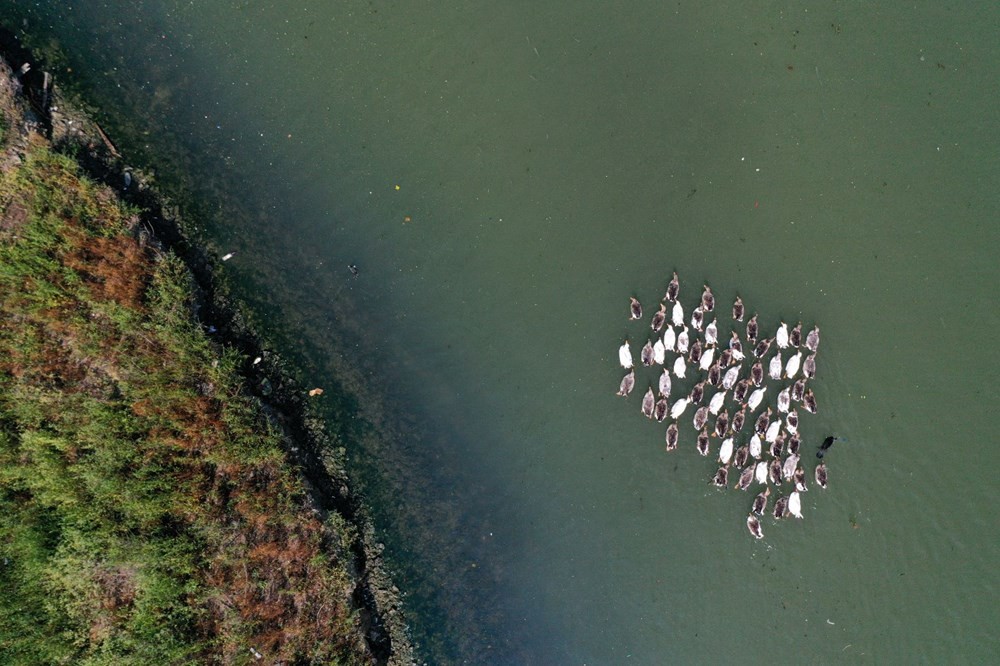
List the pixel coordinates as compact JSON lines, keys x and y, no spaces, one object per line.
{"x":148,"y":513}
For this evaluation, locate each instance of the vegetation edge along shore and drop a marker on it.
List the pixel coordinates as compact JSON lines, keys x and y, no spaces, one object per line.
{"x":165,"y":495}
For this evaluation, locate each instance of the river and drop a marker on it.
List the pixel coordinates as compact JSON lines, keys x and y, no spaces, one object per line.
{"x":504,"y":176}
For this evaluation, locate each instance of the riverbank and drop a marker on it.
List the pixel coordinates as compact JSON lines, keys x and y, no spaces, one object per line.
{"x":166,"y":494}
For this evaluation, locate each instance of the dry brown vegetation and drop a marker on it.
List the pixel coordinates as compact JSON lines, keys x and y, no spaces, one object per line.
{"x":148,"y":513}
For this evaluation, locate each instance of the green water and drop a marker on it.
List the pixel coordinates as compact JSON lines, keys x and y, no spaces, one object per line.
{"x":835,"y":164}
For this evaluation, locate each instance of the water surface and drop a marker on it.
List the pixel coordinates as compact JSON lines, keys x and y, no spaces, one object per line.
{"x":505,"y":177}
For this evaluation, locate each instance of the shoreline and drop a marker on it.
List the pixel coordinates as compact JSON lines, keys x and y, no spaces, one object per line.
{"x":453,"y":589}
{"x":270,"y":382}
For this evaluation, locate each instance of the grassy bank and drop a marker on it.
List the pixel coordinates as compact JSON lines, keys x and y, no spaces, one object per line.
{"x":149,"y":511}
